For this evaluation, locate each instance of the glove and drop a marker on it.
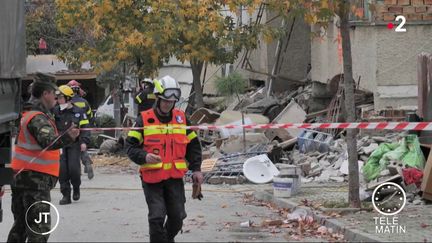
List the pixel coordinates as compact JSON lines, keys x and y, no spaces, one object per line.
{"x":196,"y":192}
{"x":197,"y":179}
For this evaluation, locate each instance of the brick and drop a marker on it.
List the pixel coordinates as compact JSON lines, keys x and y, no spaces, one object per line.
{"x":389,"y":17}
{"x":421,"y":9}
{"x":414,"y":17}
{"x":390,"y":2}
{"x":403,"y":2}
{"x":427,"y":16}
{"x":417,"y":2}
{"x":428,"y":2}
{"x":429,"y":9}
{"x":408,"y":10}
{"x":381,"y":9}
{"x":395,"y":9}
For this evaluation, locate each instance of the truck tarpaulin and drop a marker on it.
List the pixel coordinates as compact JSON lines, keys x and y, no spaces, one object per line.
{"x":13,"y":46}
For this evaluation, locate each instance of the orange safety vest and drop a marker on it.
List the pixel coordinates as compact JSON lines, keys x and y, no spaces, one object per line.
{"x":169,"y":144}
{"x":27,"y":149}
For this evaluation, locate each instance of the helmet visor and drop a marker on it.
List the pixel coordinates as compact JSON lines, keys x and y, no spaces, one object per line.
{"x":171,"y":94}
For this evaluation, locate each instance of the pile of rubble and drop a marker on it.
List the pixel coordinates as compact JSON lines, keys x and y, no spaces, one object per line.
{"x":332,"y":165}
{"x":226,"y":150}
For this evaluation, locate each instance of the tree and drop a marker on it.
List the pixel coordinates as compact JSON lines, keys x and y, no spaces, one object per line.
{"x":206,"y":32}
{"x":354,"y":197}
{"x":41,"y":23}
{"x":147,"y":33}
{"x":321,"y":13}
{"x":121,"y":32}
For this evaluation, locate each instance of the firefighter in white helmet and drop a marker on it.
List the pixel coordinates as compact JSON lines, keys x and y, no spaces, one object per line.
{"x":165,"y":155}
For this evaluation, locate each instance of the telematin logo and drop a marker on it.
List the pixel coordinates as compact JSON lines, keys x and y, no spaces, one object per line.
{"x":388,"y":199}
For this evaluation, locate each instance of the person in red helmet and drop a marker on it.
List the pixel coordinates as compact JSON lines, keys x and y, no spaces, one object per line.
{"x":82,"y":103}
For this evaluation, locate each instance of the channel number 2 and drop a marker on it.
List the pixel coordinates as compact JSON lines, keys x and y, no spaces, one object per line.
{"x":400,"y":28}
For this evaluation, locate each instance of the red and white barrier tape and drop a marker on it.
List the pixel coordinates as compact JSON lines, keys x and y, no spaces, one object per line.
{"x":355,"y":125}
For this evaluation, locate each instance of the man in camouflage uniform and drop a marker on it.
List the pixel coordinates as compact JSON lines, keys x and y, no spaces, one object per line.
{"x":31,"y":186}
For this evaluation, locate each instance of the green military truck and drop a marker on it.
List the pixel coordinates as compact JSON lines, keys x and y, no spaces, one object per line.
{"x":12,"y":69}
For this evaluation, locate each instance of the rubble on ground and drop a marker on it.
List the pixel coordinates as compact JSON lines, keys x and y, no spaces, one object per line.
{"x":321,"y":155}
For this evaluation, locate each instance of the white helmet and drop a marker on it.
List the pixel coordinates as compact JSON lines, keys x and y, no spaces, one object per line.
{"x":167,"y":88}
{"x":147,"y":80}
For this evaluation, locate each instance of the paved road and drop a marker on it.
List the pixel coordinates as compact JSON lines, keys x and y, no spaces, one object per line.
{"x":112,"y":208}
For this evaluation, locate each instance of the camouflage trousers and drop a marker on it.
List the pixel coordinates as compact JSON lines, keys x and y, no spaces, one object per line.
{"x":28,"y":228}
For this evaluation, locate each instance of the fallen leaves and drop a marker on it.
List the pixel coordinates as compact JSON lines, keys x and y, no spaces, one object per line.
{"x":423,"y":225}
{"x":269,"y":222}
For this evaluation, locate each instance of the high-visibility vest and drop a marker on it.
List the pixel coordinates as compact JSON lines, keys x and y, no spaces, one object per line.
{"x":27,"y":149}
{"x":169,"y":144}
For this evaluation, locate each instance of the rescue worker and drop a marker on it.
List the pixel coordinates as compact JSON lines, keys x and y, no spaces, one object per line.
{"x":67,"y":114}
{"x":36,"y":162}
{"x":145,"y":98}
{"x":165,"y":155}
{"x":82,"y":103}
{"x":79,"y":101}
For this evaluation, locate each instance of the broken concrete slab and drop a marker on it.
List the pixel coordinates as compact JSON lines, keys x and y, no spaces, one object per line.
{"x":324,"y":163}
{"x":292,"y":113}
{"x":337,"y":178}
{"x":234,"y":144}
{"x":278,"y":135}
{"x":306,"y":168}
{"x":204,"y":115}
{"x":379,"y":139}
{"x":228,"y":117}
{"x":260,"y":105}
{"x":369,"y":149}
{"x":344,"y":167}
{"x":373,"y":184}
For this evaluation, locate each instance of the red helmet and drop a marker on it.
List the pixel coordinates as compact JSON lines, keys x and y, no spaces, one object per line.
{"x":73,"y":83}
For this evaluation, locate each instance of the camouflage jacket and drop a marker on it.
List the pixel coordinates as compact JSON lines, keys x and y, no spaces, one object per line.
{"x":44,"y":133}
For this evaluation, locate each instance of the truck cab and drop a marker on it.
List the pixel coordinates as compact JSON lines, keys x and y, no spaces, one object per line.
{"x":12,"y":69}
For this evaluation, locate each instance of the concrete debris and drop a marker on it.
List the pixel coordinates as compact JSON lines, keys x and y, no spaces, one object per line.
{"x":320,"y":155}
{"x":369,"y":149}
{"x":203,"y":115}
{"x":344,"y":167}
{"x":298,"y":214}
{"x":110,"y":146}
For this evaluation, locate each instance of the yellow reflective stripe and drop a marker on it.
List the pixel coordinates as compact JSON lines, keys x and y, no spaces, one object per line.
{"x":158,"y":86}
{"x":157,"y":130}
{"x":148,"y":132}
{"x":139,"y":99}
{"x":152,"y":165}
{"x":136,"y":134}
{"x":181,"y":165}
{"x":89,"y":112}
{"x":165,"y":166}
{"x":84,"y":122}
{"x":191,"y":135}
{"x":80,"y":104}
{"x":151,"y":96}
{"x":179,"y":131}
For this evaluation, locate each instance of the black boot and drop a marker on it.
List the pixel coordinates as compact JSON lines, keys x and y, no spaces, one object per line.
{"x":76,"y":194}
{"x":65,"y":200}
